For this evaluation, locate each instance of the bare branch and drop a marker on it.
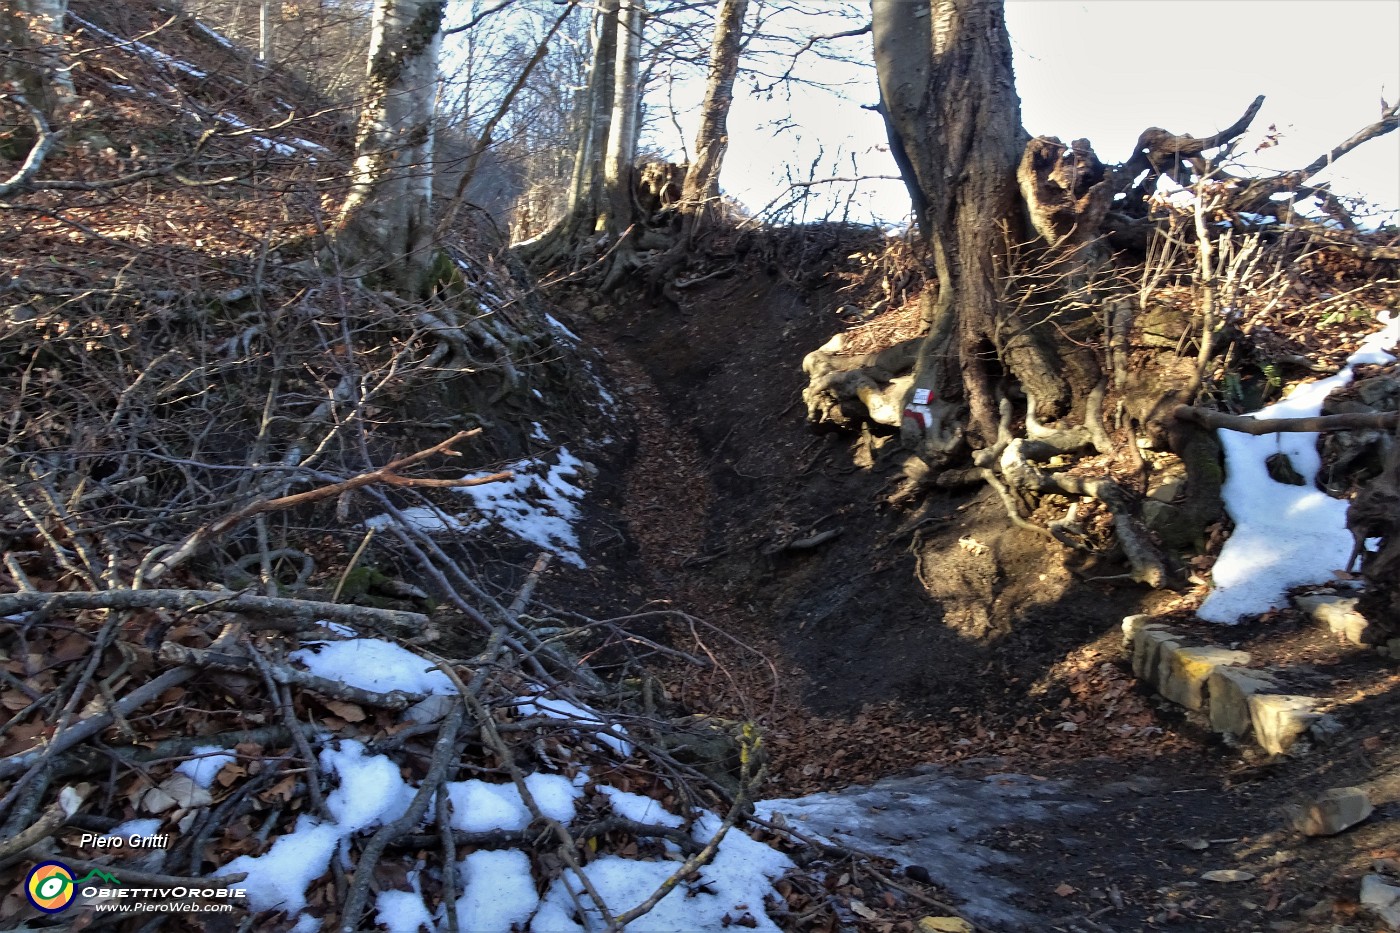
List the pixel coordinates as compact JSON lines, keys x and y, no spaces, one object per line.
{"x":476,"y":20}
{"x":35,"y":160}
{"x":386,"y":474}
{"x":1243,"y":424}
{"x":304,"y":612}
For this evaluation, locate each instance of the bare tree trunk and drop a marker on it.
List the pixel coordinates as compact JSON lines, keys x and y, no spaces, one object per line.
{"x":617,"y":211}
{"x":385,"y":227}
{"x":265,"y":30}
{"x":583,"y":191}
{"x":36,"y":57}
{"x":949,"y":101}
{"x":701,"y":186}
{"x":601,"y":194}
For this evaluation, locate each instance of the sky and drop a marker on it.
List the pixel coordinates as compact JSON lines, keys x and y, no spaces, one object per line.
{"x":1106,"y":70}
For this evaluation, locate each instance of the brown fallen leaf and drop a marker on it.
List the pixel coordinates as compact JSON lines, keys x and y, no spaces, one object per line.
{"x":350,"y":712}
{"x":1065,"y":890}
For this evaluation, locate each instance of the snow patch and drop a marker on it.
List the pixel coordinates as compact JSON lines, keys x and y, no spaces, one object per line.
{"x":498,"y":892}
{"x":641,"y":809}
{"x":404,"y":911}
{"x":424,"y":518}
{"x":537,"y":504}
{"x":1285,"y":536}
{"x":140,"y":48}
{"x":552,"y":708}
{"x":372,"y":664}
{"x":554,"y":322}
{"x":206,"y":762}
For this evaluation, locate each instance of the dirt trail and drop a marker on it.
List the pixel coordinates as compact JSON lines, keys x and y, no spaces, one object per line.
{"x":940,"y":637}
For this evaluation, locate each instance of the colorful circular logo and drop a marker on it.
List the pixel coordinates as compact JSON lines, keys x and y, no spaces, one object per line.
{"x":50,"y":887}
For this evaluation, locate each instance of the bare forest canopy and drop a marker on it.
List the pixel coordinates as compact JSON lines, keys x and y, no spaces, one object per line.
{"x":283,"y":370}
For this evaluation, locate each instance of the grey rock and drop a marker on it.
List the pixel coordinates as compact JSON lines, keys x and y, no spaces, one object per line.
{"x":1382,"y":900}
{"x":429,"y":709}
{"x":1333,"y":811}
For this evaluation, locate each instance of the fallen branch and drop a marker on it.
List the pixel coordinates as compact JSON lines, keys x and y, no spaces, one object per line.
{"x":749,"y":778}
{"x":808,"y":543}
{"x":293,"y":613}
{"x":44,"y":141}
{"x":91,"y":726}
{"x":445,"y":752}
{"x":58,"y":813}
{"x":89,"y":760}
{"x":1320,"y":424}
{"x":506,"y":838}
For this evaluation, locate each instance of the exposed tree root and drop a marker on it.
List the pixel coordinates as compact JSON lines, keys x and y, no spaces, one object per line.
{"x":1018,"y":465}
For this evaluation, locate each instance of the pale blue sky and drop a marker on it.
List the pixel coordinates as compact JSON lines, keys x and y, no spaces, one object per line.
{"x":1107,"y":69}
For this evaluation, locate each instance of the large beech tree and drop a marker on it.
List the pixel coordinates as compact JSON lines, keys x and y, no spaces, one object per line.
{"x":1025,"y":337}
{"x":386,"y":224}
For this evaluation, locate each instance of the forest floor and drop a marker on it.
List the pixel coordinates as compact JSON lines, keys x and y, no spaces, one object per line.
{"x":946,"y":637}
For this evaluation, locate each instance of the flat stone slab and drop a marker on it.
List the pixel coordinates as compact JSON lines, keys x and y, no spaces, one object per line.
{"x":1134,"y":624}
{"x":1238,"y":701}
{"x":1183,"y":672}
{"x":1280,"y":721}
{"x":1333,"y":811}
{"x":1339,"y":614}
{"x":1228,"y":690}
{"x":1148,"y":645}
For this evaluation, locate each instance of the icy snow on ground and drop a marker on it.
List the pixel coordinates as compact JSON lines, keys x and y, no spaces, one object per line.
{"x":1285,"y":536}
{"x":931,"y":819}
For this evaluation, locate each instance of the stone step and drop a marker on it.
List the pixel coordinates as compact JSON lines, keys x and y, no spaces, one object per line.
{"x":1238,"y":702}
{"x":1339,"y":614}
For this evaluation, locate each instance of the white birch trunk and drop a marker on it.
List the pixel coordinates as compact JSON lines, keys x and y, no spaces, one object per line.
{"x":265,"y":31}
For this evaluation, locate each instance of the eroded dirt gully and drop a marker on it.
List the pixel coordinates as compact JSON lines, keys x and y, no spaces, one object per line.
{"x":934,"y":635}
